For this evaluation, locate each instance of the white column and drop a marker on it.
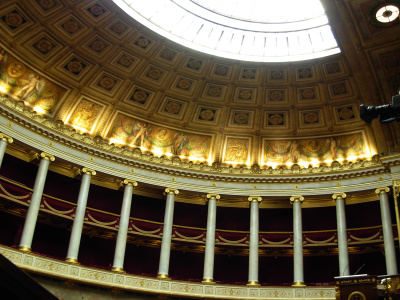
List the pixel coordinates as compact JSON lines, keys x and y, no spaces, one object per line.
{"x":167,"y":234}
{"x":254,"y":240}
{"x":298,"y":272}
{"x":344,"y":267}
{"x":34,"y":206}
{"x":208,"y":272}
{"x":390,"y":255}
{"x":76,"y":232}
{"x":4,"y":140}
{"x":119,"y":255}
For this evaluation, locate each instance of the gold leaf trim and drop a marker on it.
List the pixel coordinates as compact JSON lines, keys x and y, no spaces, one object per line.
{"x":188,"y":237}
{"x":365,"y":239}
{"x":276,"y":243}
{"x":13,"y":196}
{"x":320,"y":242}
{"x":61,"y":212}
{"x":101,"y":223}
{"x":145,"y":231}
{"x":232,"y":242}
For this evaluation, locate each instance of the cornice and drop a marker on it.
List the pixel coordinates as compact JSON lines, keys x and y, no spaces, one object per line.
{"x":191,"y":175}
{"x":98,"y":146}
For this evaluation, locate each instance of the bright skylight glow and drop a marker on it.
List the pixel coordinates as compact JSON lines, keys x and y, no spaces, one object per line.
{"x":387,"y":13}
{"x":250,"y":30}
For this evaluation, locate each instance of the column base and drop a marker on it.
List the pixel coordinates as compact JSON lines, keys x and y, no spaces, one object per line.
{"x":298,"y":284}
{"x":72,"y":260}
{"x":25,"y":249}
{"x":208,"y":281}
{"x":117,"y":269}
{"x":163,"y":276}
{"x":253,"y":283}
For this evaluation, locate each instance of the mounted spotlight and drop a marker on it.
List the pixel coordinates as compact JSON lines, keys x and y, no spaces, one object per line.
{"x":387,"y":113}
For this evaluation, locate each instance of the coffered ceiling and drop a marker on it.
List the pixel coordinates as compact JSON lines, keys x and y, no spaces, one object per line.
{"x":103,"y":73}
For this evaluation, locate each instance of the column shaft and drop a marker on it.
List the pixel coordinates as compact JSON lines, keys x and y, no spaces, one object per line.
{"x":4,"y":140}
{"x":254,"y":241}
{"x":298,"y":272}
{"x":208,"y":272}
{"x":34,"y":206}
{"x":76,"y":232}
{"x":390,"y":255}
{"x":3,"y":145}
{"x":119,"y":255}
{"x":344,"y":267}
{"x":167,"y":235}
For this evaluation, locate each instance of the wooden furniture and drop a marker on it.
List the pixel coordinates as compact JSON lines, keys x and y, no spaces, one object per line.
{"x":357,"y":287}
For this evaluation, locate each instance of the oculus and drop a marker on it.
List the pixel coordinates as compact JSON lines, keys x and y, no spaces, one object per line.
{"x":247,"y":30}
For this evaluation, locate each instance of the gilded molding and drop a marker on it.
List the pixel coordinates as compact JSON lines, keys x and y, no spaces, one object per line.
{"x":47,"y":156}
{"x":336,"y":196}
{"x":382,"y":190}
{"x":211,"y":196}
{"x":130,"y":182}
{"x":254,"y":199}
{"x":172,"y":191}
{"x":396,"y":187}
{"x":72,"y":260}
{"x":163,"y":276}
{"x":298,"y":284}
{"x":64,"y":135}
{"x":25,"y":249}
{"x":117,"y":269}
{"x":87,"y":171}
{"x":297,"y":198}
{"x":6,"y":138}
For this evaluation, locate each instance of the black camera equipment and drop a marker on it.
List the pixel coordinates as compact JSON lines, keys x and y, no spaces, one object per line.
{"x":387,"y":113}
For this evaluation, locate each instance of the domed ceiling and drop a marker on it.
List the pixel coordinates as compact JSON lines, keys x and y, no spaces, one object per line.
{"x":90,"y":65}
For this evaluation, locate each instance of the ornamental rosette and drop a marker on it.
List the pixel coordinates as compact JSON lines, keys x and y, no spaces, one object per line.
{"x":13,"y":19}
{"x":44,"y":46}
{"x":107,"y":82}
{"x":75,"y":66}
{"x":71,"y":26}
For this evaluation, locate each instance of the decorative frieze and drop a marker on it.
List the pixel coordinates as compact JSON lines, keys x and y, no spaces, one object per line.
{"x":109,"y":279}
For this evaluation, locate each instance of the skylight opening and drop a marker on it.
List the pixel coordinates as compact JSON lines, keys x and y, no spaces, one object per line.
{"x":251,"y":30}
{"x":387,"y":13}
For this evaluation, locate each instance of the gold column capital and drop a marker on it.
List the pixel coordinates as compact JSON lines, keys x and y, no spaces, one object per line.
{"x":87,"y":171}
{"x":171,"y":191}
{"x":336,"y":196}
{"x":254,"y":199}
{"x":297,"y":198}
{"x":382,"y":190}
{"x":47,"y":156}
{"x":130,"y":182}
{"x":6,"y":138}
{"x":216,"y":196}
